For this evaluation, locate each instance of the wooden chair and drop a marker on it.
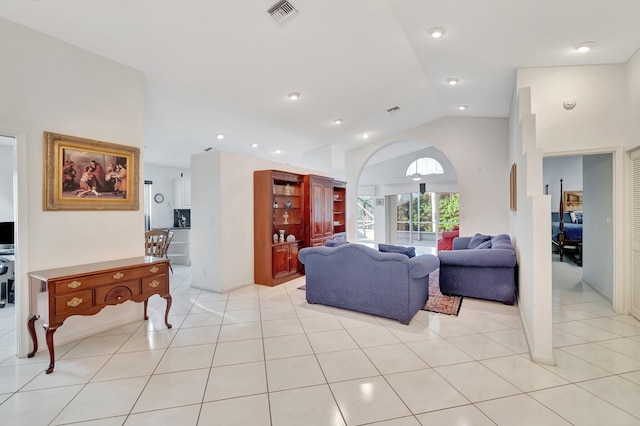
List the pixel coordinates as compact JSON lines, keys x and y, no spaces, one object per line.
{"x":156,"y":242}
{"x":166,"y":249}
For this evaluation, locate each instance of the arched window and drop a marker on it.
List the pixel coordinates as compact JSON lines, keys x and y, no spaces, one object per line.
{"x":425,"y":166}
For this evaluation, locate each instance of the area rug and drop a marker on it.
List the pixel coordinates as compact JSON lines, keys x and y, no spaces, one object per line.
{"x":438,"y":302}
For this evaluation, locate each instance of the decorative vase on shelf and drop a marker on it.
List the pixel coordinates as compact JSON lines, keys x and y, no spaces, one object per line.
{"x":275,"y":204}
{"x":287,"y":204}
{"x":285,"y":216}
{"x":287,"y":189}
{"x":275,"y":238}
{"x":282,"y":235}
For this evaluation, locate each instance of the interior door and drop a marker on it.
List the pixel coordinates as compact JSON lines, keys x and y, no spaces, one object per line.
{"x":635,"y":234}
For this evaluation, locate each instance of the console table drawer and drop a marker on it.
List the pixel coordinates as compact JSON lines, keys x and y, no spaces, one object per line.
{"x":71,"y":285}
{"x":115,"y":293}
{"x":156,"y":284}
{"x":70,"y":304}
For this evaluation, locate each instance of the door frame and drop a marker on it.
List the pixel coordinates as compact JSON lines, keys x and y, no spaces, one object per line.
{"x":621,"y":221}
{"x":21,"y":218}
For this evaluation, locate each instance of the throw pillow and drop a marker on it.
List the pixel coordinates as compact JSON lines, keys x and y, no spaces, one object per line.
{"x":334,"y":243}
{"x":388,"y":248}
{"x":485,"y":245}
{"x":478,"y":239}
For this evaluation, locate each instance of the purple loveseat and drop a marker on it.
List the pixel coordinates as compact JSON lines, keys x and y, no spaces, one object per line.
{"x":359,"y":278}
{"x":487,"y":272}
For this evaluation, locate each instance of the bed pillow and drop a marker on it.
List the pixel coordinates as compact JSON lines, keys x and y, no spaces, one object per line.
{"x":485,"y":245}
{"x":578,"y":217}
{"x":478,"y":239}
{"x":388,"y":248}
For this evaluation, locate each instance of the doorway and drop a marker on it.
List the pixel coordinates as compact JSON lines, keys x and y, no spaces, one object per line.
{"x":583,"y":281}
{"x":8,"y":334}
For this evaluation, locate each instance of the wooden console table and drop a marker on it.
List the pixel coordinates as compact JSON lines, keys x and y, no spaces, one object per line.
{"x":57,"y":294}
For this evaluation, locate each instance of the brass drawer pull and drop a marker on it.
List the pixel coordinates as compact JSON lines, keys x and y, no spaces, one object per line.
{"x":154,"y":269}
{"x":154,"y":283}
{"x":118,"y":275}
{"x":74,"y":302}
{"x":74,"y":284}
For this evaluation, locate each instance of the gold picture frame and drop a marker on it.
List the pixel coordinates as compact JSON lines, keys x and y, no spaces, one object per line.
{"x":572,"y":201}
{"x":513,"y":188}
{"x":85,"y":174}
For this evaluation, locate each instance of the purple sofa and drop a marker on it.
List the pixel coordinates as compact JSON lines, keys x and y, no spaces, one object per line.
{"x":359,"y":278}
{"x":485,"y":270}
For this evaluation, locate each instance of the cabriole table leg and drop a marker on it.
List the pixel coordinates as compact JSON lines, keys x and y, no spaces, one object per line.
{"x":52,"y":356}
{"x":167,"y":297}
{"x":31,"y":324}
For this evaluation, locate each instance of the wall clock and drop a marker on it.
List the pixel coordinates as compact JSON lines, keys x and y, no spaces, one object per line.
{"x":158,"y":198}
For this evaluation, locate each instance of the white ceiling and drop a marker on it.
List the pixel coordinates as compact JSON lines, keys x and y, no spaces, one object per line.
{"x":215,"y":66}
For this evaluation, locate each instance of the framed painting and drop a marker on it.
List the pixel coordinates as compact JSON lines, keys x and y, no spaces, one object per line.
{"x":513,"y":188}
{"x":85,"y":174}
{"x":572,"y":201}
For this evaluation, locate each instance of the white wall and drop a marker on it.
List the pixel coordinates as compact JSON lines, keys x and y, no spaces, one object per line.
{"x":478,"y":150}
{"x":163,"y":178}
{"x":569,"y":169}
{"x":530,"y":228}
{"x":597,"y":267}
{"x":6,"y":183}
{"x":600,"y":116}
{"x":52,"y":86}
{"x":222,"y":218}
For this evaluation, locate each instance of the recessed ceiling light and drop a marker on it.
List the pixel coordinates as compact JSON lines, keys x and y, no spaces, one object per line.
{"x":293,"y":96}
{"x":462,"y":107}
{"x":337,"y":121}
{"x":365,"y":136}
{"x":278,"y":151}
{"x":220,"y":136}
{"x":437,"y":32}
{"x":585,"y":47}
{"x":453,"y":81}
{"x":254,"y":145}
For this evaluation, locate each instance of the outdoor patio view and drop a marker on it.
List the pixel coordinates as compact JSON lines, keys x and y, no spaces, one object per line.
{"x":419,"y":218}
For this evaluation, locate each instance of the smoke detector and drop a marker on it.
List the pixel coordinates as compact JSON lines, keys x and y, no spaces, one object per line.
{"x":282,"y":12}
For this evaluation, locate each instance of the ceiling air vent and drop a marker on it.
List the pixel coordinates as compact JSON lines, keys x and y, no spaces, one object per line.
{"x":393,"y":110}
{"x":282,"y":12}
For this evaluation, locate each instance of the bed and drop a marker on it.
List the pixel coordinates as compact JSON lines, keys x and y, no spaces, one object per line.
{"x":566,"y":232}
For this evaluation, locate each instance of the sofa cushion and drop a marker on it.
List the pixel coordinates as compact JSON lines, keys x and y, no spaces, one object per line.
{"x":388,"y":248}
{"x":478,"y":239}
{"x":484,"y":245}
{"x":502,"y":241}
{"x":334,"y":243}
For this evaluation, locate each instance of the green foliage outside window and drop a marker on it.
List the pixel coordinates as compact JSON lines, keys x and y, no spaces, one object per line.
{"x":449,"y":207}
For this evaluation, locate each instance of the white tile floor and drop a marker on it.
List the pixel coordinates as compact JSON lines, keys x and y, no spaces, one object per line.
{"x":262,"y":356}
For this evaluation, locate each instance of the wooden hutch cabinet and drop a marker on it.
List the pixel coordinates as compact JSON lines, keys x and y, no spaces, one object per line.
{"x":319,"y":209}
{"x":279,"y":225}
{"x":304,"y":209}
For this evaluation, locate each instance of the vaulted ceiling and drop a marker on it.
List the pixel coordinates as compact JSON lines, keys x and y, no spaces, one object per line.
{"x":226,"y":67}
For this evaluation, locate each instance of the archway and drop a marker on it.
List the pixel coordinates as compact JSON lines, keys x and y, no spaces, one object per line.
{"x":398,"y":207}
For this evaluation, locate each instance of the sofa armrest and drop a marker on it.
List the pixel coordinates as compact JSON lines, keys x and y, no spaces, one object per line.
{"x":423,"y":265}
{"x":461,"y":243}
{"x":500,"y":258}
